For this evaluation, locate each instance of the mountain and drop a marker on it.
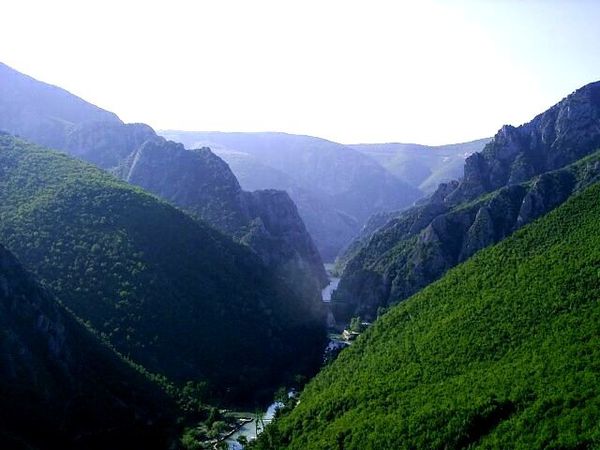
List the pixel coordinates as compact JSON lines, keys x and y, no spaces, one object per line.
{"x":202,"y":184}
{"x":423,"y":166}
{"x":42,"y":112}
{"x":320,"y":176}
{"x":502,"y":352}
{"x":60,"y":386}
{"x":175,"y":295}
{"x":565,"y":133}
{"x":330,"y":228}
{"x":505,"y":186}
{"x":51,"y":116}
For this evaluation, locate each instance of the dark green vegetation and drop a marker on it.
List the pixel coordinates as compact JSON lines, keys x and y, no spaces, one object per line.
{"x":519,"y":176}
{"x":197,"y":181}
{"x":423,"y":166}
{"x":502,"y":352}
{"x":60,"y":387}
{"x":335,"y":187}
{"x":203,"y":185}
{"x":172,"y":294}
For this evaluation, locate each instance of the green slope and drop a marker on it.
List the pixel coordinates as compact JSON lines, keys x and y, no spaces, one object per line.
{"x":174,"y":295}
{"x":502,"y":352}
{"x":60,"y":387}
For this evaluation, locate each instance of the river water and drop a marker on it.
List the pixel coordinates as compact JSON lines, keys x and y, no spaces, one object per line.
{"x":333,"y":283}
{"x":250,"y":429}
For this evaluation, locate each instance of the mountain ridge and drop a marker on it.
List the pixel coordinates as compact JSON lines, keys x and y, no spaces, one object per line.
{"x":418,"y":245}
{"x":100,"y":137}
{"x":324,"y":178}
{"x":424,"y":166}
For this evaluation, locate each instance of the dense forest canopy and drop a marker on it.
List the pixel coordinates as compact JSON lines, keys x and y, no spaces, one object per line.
{"x":502,"y":352}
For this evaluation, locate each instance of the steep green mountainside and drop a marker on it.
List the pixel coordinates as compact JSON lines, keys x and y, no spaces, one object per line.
{"x":60,"y":387}
{"x":342,"y":178}
{"x":505,"y":186}
{"x":502,"y":352}
{"x":174,"y":295}
{"x":201,"y":182}
{"x":423,"y":166}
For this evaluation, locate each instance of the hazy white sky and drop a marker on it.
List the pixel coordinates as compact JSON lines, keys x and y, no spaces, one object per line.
{"x":431,"y":72}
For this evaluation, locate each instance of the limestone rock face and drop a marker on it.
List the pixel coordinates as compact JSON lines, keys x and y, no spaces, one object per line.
{"x":480,"y":233}
{"x":197,"y":181}
{"x":523,"y":173}
{"x":279,"y":237}
{"x":106,"y":144}
{"x":201,"y":183}
{"x":561,"y":135}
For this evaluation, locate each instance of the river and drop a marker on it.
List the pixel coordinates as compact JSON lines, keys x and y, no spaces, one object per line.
{"x":250,"y":429}
{"x":333,"y":283}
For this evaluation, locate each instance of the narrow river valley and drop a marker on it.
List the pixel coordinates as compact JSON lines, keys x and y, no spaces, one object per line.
{"x":251,"y":428}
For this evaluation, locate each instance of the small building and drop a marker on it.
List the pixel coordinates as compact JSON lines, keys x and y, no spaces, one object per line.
{"x":348,"y":335}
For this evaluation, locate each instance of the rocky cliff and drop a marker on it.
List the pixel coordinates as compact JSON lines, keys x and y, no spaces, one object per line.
{"x":60,"y":386}
{"x":515,"y":179}
{"x":197,"y":181}
{"x":202,"y":183}
{"x":335,"y":187}
{"x":559,"y":136}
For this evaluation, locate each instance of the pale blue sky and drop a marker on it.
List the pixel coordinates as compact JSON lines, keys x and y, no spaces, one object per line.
{"x":429,"y":71}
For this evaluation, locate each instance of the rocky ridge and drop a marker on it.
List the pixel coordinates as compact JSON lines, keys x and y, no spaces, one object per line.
{"x":202,"y":184}
{"x":197,"y":181}
{"x":335,"y":187}
{"x":515,"y":179}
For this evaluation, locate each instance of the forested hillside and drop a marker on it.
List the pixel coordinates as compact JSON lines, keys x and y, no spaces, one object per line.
{"x":172,"y":294}
{"x":61,"y":387}
{"x":502,"y":352}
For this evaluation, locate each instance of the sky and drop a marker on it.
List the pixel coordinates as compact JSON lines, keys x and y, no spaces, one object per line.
{"x":429,"y":72}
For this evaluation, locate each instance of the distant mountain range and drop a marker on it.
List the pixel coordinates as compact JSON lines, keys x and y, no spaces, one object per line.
{"x":423,"y":166}
{"x":335,"y":187}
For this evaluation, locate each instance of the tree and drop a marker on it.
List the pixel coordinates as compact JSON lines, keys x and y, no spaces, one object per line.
{"x":355,"y":324}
